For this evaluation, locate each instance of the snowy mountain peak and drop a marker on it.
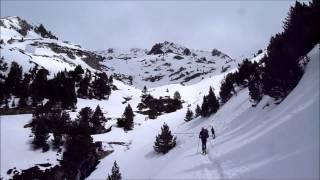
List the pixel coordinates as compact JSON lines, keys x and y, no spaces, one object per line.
{"x":166,"y":63}
{"x":20,"y":28}
{"x":168,"y":47}
{"x":15,"y":25}
{"x":31,"y":45}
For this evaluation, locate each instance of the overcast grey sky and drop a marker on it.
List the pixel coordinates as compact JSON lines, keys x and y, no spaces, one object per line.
{"x":236,"y":28}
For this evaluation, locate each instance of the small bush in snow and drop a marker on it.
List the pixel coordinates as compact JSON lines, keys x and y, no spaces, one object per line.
{"x":189,"y":115}
{"x":165,"y":141}
{"x":115,"y":172}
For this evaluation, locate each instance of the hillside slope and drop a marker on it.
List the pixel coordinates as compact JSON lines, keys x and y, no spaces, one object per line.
{"x":29,"y":46}
{"x":263,"y":142}
{"x":267,"y":141}
{"x":166,"y":63}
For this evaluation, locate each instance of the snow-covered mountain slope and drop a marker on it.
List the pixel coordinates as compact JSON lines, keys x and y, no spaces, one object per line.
{"x":166,"y":63}
{"x":266,"y":141}
{"x":23,"y":43}
{"x":263,"y":142}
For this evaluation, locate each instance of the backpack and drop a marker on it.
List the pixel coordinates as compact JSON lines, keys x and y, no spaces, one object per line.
{"x":204,"y":134}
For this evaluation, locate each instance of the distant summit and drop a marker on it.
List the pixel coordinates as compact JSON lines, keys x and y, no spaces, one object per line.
{"x":34,"y":45}
{"x":165,"y":63}
{"x":169,"y":47}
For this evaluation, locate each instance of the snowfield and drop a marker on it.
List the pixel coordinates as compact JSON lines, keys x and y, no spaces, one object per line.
{"x":16,"y":150}
{"x":268,"y":141}
{"x":262,"y":142}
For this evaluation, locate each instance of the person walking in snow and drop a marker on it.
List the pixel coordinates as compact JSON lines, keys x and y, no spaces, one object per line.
{"x":204,"y":134}
{"x":213,"y":134}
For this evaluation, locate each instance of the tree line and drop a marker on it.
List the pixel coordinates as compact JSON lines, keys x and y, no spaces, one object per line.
{"x":80,"y":155}
{"x":32,"y":87}
{"x":279,"y":71}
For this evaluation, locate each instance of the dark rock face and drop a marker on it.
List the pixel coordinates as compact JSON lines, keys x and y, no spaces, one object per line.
{"x":156,"y":49}
{"x":187,"y":52}
{"x":92,"y":59}
{"x":216,"y":52}
{"x":25,"y":27}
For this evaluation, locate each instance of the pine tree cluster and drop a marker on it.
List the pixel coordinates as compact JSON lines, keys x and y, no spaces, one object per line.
{"x":44,"y":33}
{"x":34,"y":86}
{"x":241,"y":78}
{"x":50,"y":118}
{"x":80,"y":153}
{"x":281,"y":70}
{"x":210,"y":104}
{"x":158,"y":106}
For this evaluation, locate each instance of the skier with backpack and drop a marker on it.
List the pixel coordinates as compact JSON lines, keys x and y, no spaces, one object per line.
{"x":204,"y":134}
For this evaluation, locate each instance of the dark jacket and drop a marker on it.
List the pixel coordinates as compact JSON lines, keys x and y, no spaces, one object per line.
{"x":212,"y":130}
{"x":204,"y":134}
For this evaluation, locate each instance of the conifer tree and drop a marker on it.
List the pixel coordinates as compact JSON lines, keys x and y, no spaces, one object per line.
{"x":255,"y":87}
{"x":281,"y":68}
{"x":76,"y":74}
{"x":152,"y":113}
{"x":128,"y":118}
{"x":226,"y":88}
{"x":84,"y":87}
{"x":2,"y":93}
{"x":130,"y":78}
{"x":110,"y":79}
{"x":60,"y":124}
{"x":69,"y":97}
{"x":13,"y":104}
{"x":100,"y":86}
{"x":79,"y":148}
{"x":210,"y":104}
{"x":242,"y":76}
{"x":205,"y":107}
{"x":213,"y":102}
{"x":24,"y":89}
{"x":197,"y":111}
{"x":115,"y":172}
{"x":39,"y":86}
{"x":177,"y":95}
{"x":3,"y":65}
{"x":189,"y":115}
{"x":98,"y":120}
{"x":22,"y":103}
{"x":83,"y":119}
{"x":3,"y":68}
{"x":144,"y":91}
{"x":40,"y":130}
{"x":13,"y":80}
{"x":44,"y":33}
{"x":165,"y":141}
